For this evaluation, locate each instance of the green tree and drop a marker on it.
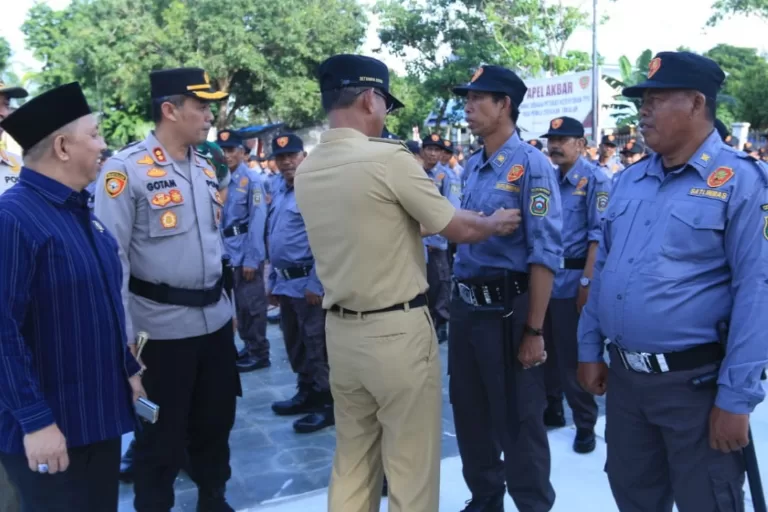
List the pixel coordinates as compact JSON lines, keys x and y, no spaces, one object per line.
{"x":625,"y":110}
{"x":264,"y":53}
{"x":5,"y":55}
{"x":736,"y":62}
{"x":751,"y":95}
{"x":722,"y":9}
{"x":418,"y":105}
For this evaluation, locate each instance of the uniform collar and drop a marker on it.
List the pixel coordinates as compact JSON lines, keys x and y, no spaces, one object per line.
{"x":503,"y":153}
{"x":335,"y":134}
{"x":701,"y":160}
{"x":52,"y":190}
{"x":576,"y":173}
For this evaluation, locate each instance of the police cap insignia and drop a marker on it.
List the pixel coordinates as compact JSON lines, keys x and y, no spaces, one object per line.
{"x":435,"y":137}
{"x":114,"y":183}
{"x":557,"y":123}
{"x":654,"y":66}
{"x":719,"y":177}
{"x":478,"y":72}
{"x":224,"y":136}
{"x":611,"y":138}
{"x":282,"y":141}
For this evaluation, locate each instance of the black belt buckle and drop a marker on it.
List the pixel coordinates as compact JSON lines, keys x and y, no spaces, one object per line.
{"x":642,"y":362}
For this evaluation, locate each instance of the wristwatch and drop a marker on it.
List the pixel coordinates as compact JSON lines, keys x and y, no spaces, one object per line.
{"x":584,"y":281}
{"x":533,"y":332}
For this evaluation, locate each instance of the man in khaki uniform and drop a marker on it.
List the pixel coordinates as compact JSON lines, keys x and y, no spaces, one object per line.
{"x":363,"y":200}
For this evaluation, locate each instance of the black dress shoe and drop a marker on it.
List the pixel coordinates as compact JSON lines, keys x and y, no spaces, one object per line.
{"x":250,"y":364}
{"x":554,"y":416}
{"x":486,"y":504}
{"x":212,"y":500}
{"x":315,"y":421}
{"x":303,"y":402}
{"x":585,"y":441}
{"x":126,"y":464}
{"x":243,"y":354}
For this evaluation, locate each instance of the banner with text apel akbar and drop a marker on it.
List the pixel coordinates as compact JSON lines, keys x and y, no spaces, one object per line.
{"x":565,"y":95}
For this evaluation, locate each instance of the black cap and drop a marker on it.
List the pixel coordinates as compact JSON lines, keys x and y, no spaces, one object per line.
{"x":448,"y":146}
{"x":229,"y":139}
{"x":187,"y":81}
{"x":287,"y":143}
{"x":680,"y":70}
{"x":564,"y":127}
{"x":608,"y":140}
{"x":413,"y":146}
{"x":495,"y":79}
{"x":433,"y":139}
{"x":13,"y":92}
{"x":44,"y":114}
{"x":536,"y":143}
{"x":722,"y":130}
{"x":344,"y":70}
{"x":633,"y":147}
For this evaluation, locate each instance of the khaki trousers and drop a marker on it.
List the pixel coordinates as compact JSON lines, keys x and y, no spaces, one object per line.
{"x":385,"y":379}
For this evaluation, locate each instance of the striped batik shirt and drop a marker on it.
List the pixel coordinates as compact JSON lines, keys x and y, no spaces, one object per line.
{"x":63,"y":352}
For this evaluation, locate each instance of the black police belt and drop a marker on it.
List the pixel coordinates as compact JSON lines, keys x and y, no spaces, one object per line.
{"x":492,"y":292}
{"x":165,"y":294}
{"x":237,"y":229}
{"x":573,"y":263}
{"x":418,"y":302}
{"x":294,"y":272}
{"x":690,"y":359}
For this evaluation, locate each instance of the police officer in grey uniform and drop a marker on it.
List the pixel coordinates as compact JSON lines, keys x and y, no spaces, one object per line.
{"x":161,"y":201}
{"x":680,"y":290}
{"x":242,"y":228}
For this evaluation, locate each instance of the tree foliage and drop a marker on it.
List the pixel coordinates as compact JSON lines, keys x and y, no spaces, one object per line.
{"x":722,"y":9}
{"x":625,"y":110}
{"x":264,"y":53}
{"x":740,"y":99}
{"x":5,"y":55}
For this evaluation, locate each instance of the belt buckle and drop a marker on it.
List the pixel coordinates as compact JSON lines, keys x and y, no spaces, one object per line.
{"x":235,"y":230}
{"x":562,"y":263}
{"x":467,"y":294}
{"x":637,"y":361}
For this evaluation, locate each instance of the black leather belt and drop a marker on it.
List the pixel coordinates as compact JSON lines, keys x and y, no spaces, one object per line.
{"x":490,"y":292}
{"x":237,"y":229}
{"x":294,"y":272}
{"x":574,"y":263}
{"x":165,"y":294}
{"x":419,"y":301}
{"x":695,"y":357}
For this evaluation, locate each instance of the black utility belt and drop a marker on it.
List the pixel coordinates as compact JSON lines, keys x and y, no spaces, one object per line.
{"x":165,"y":294}
{"x":492,"y":292}
{"x":237,"y":229}
{"x":690,"y":359}
{"x":418,"y":302}
{"x":294,"y":272}
{"x":573,"y":263}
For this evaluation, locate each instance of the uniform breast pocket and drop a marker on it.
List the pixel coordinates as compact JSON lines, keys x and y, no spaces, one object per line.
{"x":500,"y":199}
{"x":217,"y":205}
{"x":694,"y":232}
{"x":169,"y":213}
{"x":619,"y":221}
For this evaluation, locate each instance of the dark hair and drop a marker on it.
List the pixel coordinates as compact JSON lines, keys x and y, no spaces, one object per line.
{"x":176,"y":100}
{"x":341,"y":98}
{"x":514,"y":113}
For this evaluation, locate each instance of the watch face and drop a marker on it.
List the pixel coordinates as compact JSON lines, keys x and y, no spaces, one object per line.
{"x":584,"y":281}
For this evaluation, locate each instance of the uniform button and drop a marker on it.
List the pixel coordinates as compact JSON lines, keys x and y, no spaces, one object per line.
{"x":618,"y":296}
{"x":647,"y":223}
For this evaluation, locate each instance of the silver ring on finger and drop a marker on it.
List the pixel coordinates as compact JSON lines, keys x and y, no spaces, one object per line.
{"x":42,"y":468}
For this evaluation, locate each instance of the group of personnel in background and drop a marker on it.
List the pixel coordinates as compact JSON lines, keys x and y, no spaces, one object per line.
{"x":376,"y":250}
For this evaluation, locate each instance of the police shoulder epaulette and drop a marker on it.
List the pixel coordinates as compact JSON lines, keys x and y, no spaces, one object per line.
{"x":396,"y":142}
{"x":762,"y":168}
{"x":129,"y":145}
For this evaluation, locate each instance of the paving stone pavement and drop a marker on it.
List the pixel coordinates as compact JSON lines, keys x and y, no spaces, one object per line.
{"x":268,"y":459}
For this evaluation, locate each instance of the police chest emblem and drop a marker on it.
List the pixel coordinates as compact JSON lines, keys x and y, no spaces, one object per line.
{"x":145,"y":160}
{"x":539,"y":202}
{"x":161,"y":199}
{"x":210,"y":173}
{"x":176,"y":196}
{"x":168,"y":220}
{"x":602,"y":201}
{"x":243,"y":182}
{"x":719,"y":177}
{"x":156,"y":173}
{"x":515,"y":173}
{"x":440,"y":176}
{"x":582,"y":183}
{"x":114,"y":183}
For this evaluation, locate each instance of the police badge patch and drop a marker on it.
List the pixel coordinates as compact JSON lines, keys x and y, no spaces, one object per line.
{"x":539,"y":204}
{"x":602,"y":201}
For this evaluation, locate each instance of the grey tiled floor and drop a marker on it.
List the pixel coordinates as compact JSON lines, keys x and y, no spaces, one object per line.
{"x":268,"y":459}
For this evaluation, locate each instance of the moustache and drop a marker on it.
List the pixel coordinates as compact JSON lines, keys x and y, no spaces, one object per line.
{"x":556,"y":153}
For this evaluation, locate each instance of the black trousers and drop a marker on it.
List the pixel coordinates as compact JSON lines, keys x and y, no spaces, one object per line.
{"x":195,"y":383}
{"x":90,"y":483}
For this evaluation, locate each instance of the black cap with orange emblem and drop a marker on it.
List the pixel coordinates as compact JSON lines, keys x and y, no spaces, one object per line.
{"x":680,"y":70}
{"x":432,"y":140}
{"x":184,"y":81}
{"x":495,"y":79}
{"x":287,"y":143}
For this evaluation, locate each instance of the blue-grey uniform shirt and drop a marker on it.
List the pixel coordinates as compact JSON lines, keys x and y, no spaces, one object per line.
{"x":444,"y":180}
{"x":289,"y":246}
{"x":246,"y":204}
{"x":679,"y":253}
{"x":516,"y":176}
{"x":63,"y":352}
{"x":612,"y":166}
{"x":584,"y":192}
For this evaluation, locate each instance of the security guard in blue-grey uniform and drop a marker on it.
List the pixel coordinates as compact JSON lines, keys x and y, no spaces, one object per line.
{"x":607,"y":159}
{"x":438,"y":265}
{"x":294,"y":285}
{"x":243,"y":225}
{"x":160,"y":200}
{"x":498,"y":309}
{"x":681,"y":266}
{"x":454,"y":196}
{"x":584,"y":191}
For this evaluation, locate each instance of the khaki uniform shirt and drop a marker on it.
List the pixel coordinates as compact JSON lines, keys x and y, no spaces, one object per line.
{"x":166,"y":222}
{"x":10,"y":166}
{"x":362,"y":200}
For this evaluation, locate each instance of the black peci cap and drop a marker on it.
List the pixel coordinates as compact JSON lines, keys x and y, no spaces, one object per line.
{"x":680,"y":70}
{"x":44,"y":114}
{"x":229,"y":139}
{"x":10,"y":91}
{"x":344,"y":70}
{"x":564,"y":127}
{"x":287,"y":143}
{"x":187,"y":81}
{"x":495,"y":79}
